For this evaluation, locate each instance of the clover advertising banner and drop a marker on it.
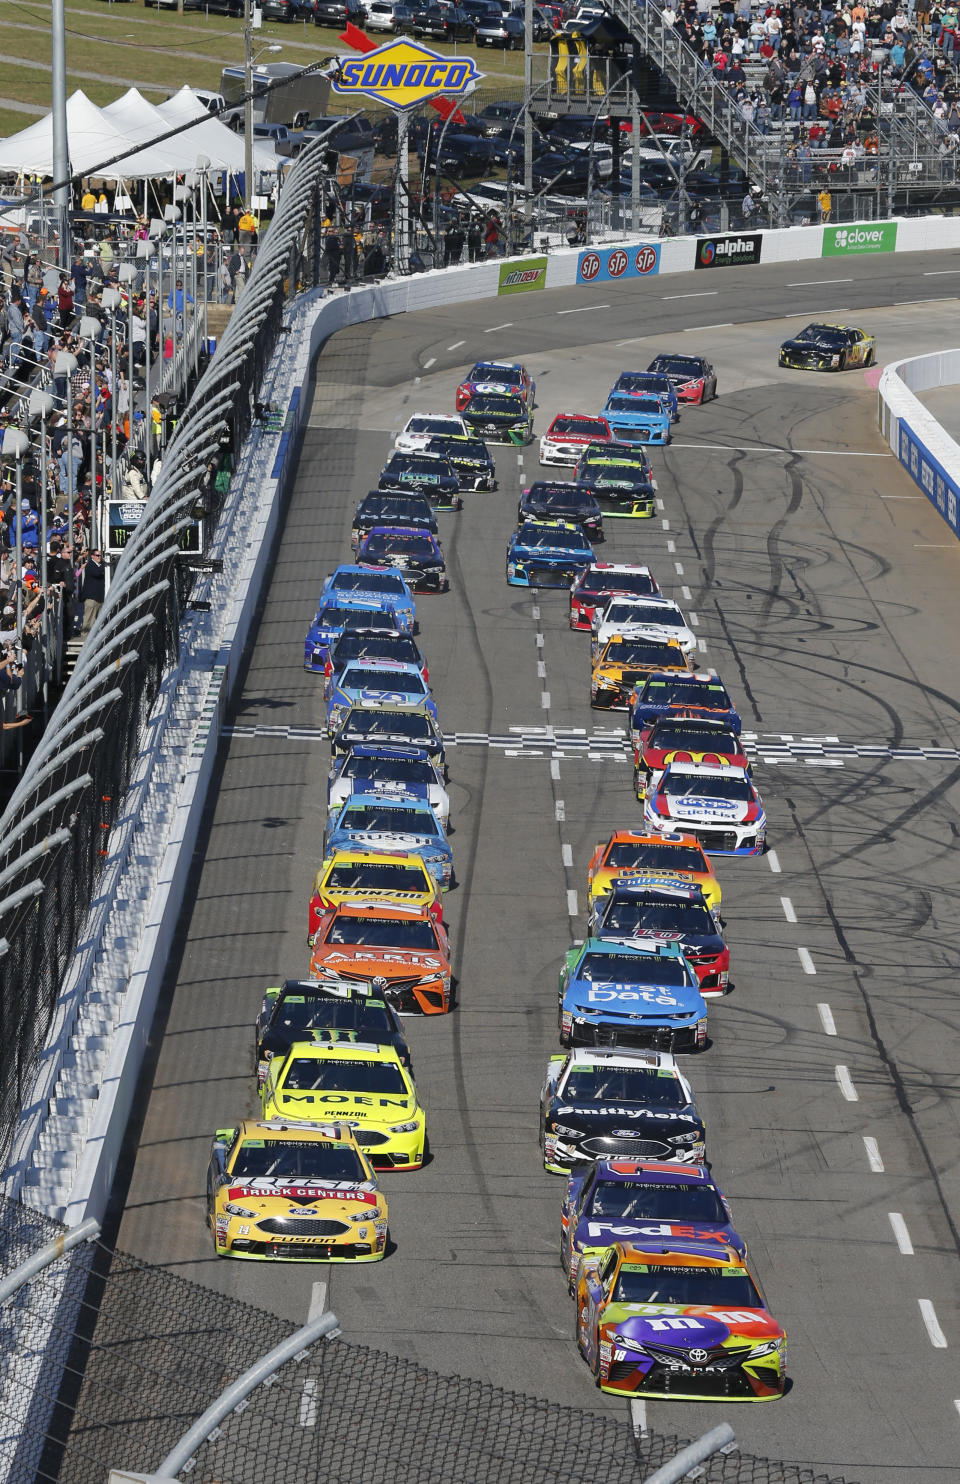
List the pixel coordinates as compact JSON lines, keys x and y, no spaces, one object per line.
{"x":518,"y":278}
{"x":844,"y":242}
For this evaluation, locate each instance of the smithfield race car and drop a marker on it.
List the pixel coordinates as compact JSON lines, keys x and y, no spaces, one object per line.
{"x":497,"y":376}
{"x":334,"y":619}
{"x":598,"y":1104}
{"x":562,"y":500}
{"x":416,"y":554}
{"x":697,"y":693}
{"x":361,"y":1084}
{"x":667,"y":914}
{"x":637,"y":995}
{"x":637,"y":417}
{"x":304,"y":1192}
{"x":688,"y":1322}
{"x":828,"y":348}
{"x":376,"y":683}
{"x":719,"y":806}
{"x":569,"y":434}
{"x":393,"y":825}
{"x":547,"y":553}
{"x":622,"y":664}
{"x":331,"y":1010}
{"x":642,"y":618}
{"x":402,"y":952}
{"x":650,"y":381}
{"x":362,"y":644}
{"x":693,"y":377}
{"x":426,"y":425}
{"x":425,"y":473}
{"x":372,"y":876}
{"x":380,"y":508}
{"x":389,"y":726}
{"x":500,"y":418}
{"x":600,"y":581}
{"x":620,"y":479}
{"x":635,"y":858}
{"x":469,"y":459}
{"x":371,"y":585}
{"x":389,"y":771}
{"x":683,"y":739}
{"x":648,"y":1204}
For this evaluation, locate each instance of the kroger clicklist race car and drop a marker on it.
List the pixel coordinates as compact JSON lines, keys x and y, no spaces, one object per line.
{"x":693,"y":377}
{"x":496,"y":376}
{"x":641,"y":995}
{"x":426,"y":425}
{"x":376,"y":683}
{"x":828,"y":348}
{"x":650,"y":381}
{"x":638,"y":417}
{"x":569,"y":434}
{"x":499,"y":417}
{"x":372,"y":586}
{"x":388,"y":771}
{"x":667,"y":914}
{"x":719,"y":806}
{"x":373,"y":822}
{"x":329,"y":1010}
{"x":592,"y":589}
{"x":562,"y":500}
{"x":619,"y":476}
{"x":599,"y":1104}
{"x":548,"y":553}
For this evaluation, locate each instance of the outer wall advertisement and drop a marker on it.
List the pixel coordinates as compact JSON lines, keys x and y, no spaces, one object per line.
{"x":609,"y":264}
{"x":929,"y":474}
{"x":736,"y":251}
{"x":841,"y":242}
{"x":515,"y":280}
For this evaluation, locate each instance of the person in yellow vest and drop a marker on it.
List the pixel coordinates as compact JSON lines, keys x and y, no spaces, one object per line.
{"x":88,"y":201}
{"x":247,"y":226}
{"x":825,"y":202}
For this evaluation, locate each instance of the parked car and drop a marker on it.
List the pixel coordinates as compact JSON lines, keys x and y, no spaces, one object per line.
{"x":389,"y":16}
{"x":505,"y":31}
{"x":338,"y":12}
{"x":215,"y":7}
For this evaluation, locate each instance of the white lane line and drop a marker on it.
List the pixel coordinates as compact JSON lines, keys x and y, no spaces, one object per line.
{"x":929,"y":1316}
{"x":584,"y":310}
{"x":318,"y":1300}
{"x":427,"y":364}
{"x":535,"y":611}
{"x":678,"y":568}
{"x":566,"y":852}
{"x":554,"y":768}
{"x":816,"y":283}
{"x":957,"y":1404}
{"x":694,"y":619}
{"x":661,"y":506}
{"x":671,"y":545}
{"x":494,"y":328}
{"x":520,"y":459}
{"x":545,"y":700}
{"x":900,"y":1234}
{"x":686,"y":594}
{"x":725,"y":324}
{"x":665,"y":524}
{"x":702,"y":645}
{"x":456,"y":345}
{"x":638,"y":1415}
{"x":572,"y":908}
{"x":939,"y":272}
{"x":560,"y":811}
{"x":845,"y":1083}
{"x":806,"y":962}
{"x":836,"y":453}
{"x":826,"y":1019}
{"x":773,"y":861}
{"x":539,"y":641}
{"x":541,"y":670}
{"x":704,"y":294}
{"x":873,"y":1154}
{"x":788,"y":911}
{"x":308,"y":1403}
{"x":902,"y":497}
{"x":934,"y":545}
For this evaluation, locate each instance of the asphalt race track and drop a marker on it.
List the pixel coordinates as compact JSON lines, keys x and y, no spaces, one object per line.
{"x":826,"y":593}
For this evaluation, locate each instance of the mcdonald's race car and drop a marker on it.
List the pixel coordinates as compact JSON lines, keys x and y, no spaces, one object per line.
{"x":372,"y":876}
{"x":650,"y":381}
{"x":331,"y":1010}
{"x":637,"y":417}
{"x":391,"y":508}
{"x":623,"y":663}
{"x":333,"y":619}
{"x":684,"y":739}
{"x":619,"y":476}
{"x":402,"y":952}
{"x":372,"y":587}
{"x":400,"y":824}
{"x":425,"y":473}
{"x":390,"y":726}
{"x":502,"y":418}
{"x":628,"y":995}
{"x":667,"y":914}
{"x":470,"y":460}
{"x":415,"y":553}
{"x":656,"y":618}
{"x":390,"y":772}
{"x":636,"y":858}
{"x":601,"y":1104}
{"x":828,"y":348}
{"x":548,"y":499}
{"x":719,"y":806}
{"x":686,"y":1322}
{"x":497,"y":376}
{"x":569,"y":434}
{"x":592,"y":589}
{"x":294,"y":1192}
{"x":426,"y":425}
{"x":693,"y":376}
{"x":363,"y":1085}
{"x":547,"y":553}
{"x":375,"y":683}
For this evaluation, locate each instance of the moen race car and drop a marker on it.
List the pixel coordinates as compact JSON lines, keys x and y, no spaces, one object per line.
{"x":303,"y":1192}
{"x":635,"y":858}
{"x":686,"y":1322}
{"x":719,"y":806}
{"x":372,"y":586}
{"x":415,"y":553}
{"x":693,"y":376}
{"x":334,"y":619}
{"x":394,"y":825}
{"x":376,"y":683}
{"x":562,"y":500}
{"x":425,"y":473}
{"x":667,"y":914}
{"x":426,"y":425}
{"x":371,"y":647}
{"x":372,"y":876}
{"x":620,"y":479}
{"x":650,"y":381}
{"x":641,"y":995}
{"x":592,"y":589}
{"x":380,"y":508}
{"x":683,"y":739}
{"x":637,"y":417}
{"x":547,"y":553}
{"x":695,"y":694}
{"x":500,"y":418}
{"x":328,"y":1010}
{"x":497,"y":376}
{"x":598,"y":1104}
{"x":828,"y":348}
{"x":649,"y":1205}
{"x":389,"y":771}
{"x":363,"y":1085}
{"x":403,"y":952}
{"x":657,"y":619}
{"x":569,"y":434}
{"x":389,"y":726}
{"x":470,"y":460}
{"x":623,"y":663}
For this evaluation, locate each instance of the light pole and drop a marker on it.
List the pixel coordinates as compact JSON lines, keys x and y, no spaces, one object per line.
{"x":40,"y":405}
{"x":15,"y":446}
{"x":127,"y":275}
{"x":110,"y":299}
{"x":203,"y":172}
{"x":89,"y":329}
{"x":145,"y":251}
{"x":66,"y":365}
{"x":251,"y":22}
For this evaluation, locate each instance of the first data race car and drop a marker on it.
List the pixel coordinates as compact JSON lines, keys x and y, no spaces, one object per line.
{"x":828,"y":348}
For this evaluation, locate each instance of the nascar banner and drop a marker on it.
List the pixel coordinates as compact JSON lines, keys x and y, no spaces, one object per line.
{"x":519,"y":277}
{"x":734,"y":251}
{"x":608,"y":264}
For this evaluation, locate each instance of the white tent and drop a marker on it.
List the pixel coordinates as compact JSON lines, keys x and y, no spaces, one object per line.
{"x":92,"y":140}
{"x":222,"y":147}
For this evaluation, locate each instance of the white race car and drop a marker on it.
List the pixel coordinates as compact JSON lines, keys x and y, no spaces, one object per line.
{"x":719,"y":806}
{"x":426,"y":425}
{"x":569,"y":434}
{"x":394,"y":772}
{"x":641,"y":618}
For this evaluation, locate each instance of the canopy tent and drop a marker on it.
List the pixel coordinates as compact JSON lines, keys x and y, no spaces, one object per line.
{"x":92,"y":140}
{"x":222,"y":147}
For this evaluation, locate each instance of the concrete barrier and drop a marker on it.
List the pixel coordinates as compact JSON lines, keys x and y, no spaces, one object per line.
{"x":925,"y":449}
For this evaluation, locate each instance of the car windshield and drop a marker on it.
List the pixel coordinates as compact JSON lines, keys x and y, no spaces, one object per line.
{"x":390,"y":770}
{"x":577,"y":427}
{"x":400,"y":509}
{"x":558,"y":499}
{"x":358,"y":646}
{"x":438,"y":424}
{"x":343,"y":618}
{"x":717,"y":786}
{"x":503,"y":375}
{"x":635,"y":652}
{"x":371,"y":724}
{"x":647,"y":1085}
{"x":490,"y":404}
{"x":721,"y":1288}
{"x":369,"y":582}
{"x":634,"y":856}
{"x":686,"y":693}
{"x":644,"y":613}
{"x":636,"y":1200}
{"x":637,"y":403}
{"x":617,"y":465}
{"x":623,"y":968}
{"x":676,"y":366}
{"x":356,"y":678}
{"x":538,"y":539}
{"x":328,"y":1074}
{"x":671,"y":735}
{"x":827,"y":335}
{"x":672,"y":918}
{"x":384,"y":543}
{"x":375,"y":876}
{"x":381,"y":819}
{"x":424,"y":466}
{"x":640,"y":583}
{"x":309,"y":1012}
{"x":635,"y":381}
{"x":258,"y":1159}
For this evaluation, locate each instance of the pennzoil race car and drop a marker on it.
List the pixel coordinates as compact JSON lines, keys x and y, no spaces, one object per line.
{"x":828,"y":348}
{"x":496,"y":376}
{"x":693,"y":377}
{"x":371,"y":876}
{"x":623,"y":663}
{"x":327,"y":1010}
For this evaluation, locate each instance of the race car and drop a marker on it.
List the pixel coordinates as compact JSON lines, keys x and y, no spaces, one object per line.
{"x":415,"y":553}
{"x":426,"y":425}
{"x":641,"y":618}
{"x":496,"y":376}
{"x":356,"y":875}
{"x":389,"y":726}
{"x":636,"y":994}
{"x":720,"y":807}
{"x":376,"y":683}
{"x":620,"y":479}
{"x":635,"y":858}
{"x":637,"y":417}
{"x":388,"y":771}
{"x":623,"y":663}
{"x":547,"y":553}
{"x":693,"y":376}
{"x":363,"y":1085}
{"x":684,"y":739}
{"x":331,"y":1010}
{"x":401,"y":951}
{"x":371,"y":647}
{"x":371,"y":586}
{"x":393,"y":825}
{"x":686,"y":1322}
{"x":562,"y":500}
{"x":828,"y":348}
{"x":600,"y":581}
{"x":469,"y":459}
{"x":599,"y":1104}
{"x":504,"y":419}
{"x":427,"y":474}
{"x":294,"y":1193}
{"x":697,"y":693}
{"x":384,"y":508}
{"x":648,"y":1204}
{"x":650,"y":381}
{"x":333,"y":619}
{"x":668,"y":914}
{"x":569,"y":434}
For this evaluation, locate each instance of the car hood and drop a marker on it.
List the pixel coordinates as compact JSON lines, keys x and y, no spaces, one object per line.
{"x":603,"y":1233}
{"x":649,"y":1001}
{"x":550,"y":553}
{"x":706,"y":1327}
{"x":276,"y":1194}
{"x":388,"y":963}
{"x":702,"y":807}
{"x":346,"y":1107}
{"x":805,"y":348}
{"x":633,"y":1119}
{"x":387,"y":841}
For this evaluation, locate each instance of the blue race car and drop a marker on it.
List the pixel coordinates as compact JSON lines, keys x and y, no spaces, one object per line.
{"x":639,"y":417}
{"x":649,"y":381}
{"x":393,"y":826}
{"x":372,"y":585}
{"x":642,"y":995}
{"x":334,"y":618}
{"x":415,"y":553}
{"x":547,"y":553}
{"x":376,"y":683}
{"x":671,"y":693}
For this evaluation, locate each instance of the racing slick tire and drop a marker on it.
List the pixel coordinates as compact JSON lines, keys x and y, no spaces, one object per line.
{"x":871,"y":358}
{"x":843,"y":361}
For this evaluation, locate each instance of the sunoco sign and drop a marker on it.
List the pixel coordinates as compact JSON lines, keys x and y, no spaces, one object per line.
{"x":403,"y":74}
{"x":728,"y":252}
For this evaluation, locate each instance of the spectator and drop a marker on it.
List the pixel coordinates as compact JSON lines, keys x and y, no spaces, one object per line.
{"x":92,"y":591}
{"x":491,"y":235}
{"x":475,"y":238}
{"x":825,"y":203}
{"x":809,"y":102}
{"x":333,"y":253}
{"x":349,"y":256}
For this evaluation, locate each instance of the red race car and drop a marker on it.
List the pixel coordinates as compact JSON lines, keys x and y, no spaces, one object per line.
{"x":685,"y":739}
{"x":569,"y":434}
{"x":693,"y":376}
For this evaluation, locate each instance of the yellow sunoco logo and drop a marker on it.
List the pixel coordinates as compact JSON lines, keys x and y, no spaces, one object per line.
{"x":403,"y":74}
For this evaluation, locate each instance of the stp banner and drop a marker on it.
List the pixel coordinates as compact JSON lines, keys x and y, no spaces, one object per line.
{"x":607,"y":264}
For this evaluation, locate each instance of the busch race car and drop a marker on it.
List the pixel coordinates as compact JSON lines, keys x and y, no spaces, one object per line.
{"x":569,"y":434}
{"x":636,"y":994}
{"x":828,"y":348}
{"x":547,"y":553}
{"x":393,"y":825}
{"x":693,"y":377}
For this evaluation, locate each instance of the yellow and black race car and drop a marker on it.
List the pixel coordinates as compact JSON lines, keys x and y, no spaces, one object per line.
{"x":829,"y":348}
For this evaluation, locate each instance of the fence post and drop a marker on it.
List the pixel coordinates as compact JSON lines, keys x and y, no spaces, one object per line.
{"x":694,"y":1453}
